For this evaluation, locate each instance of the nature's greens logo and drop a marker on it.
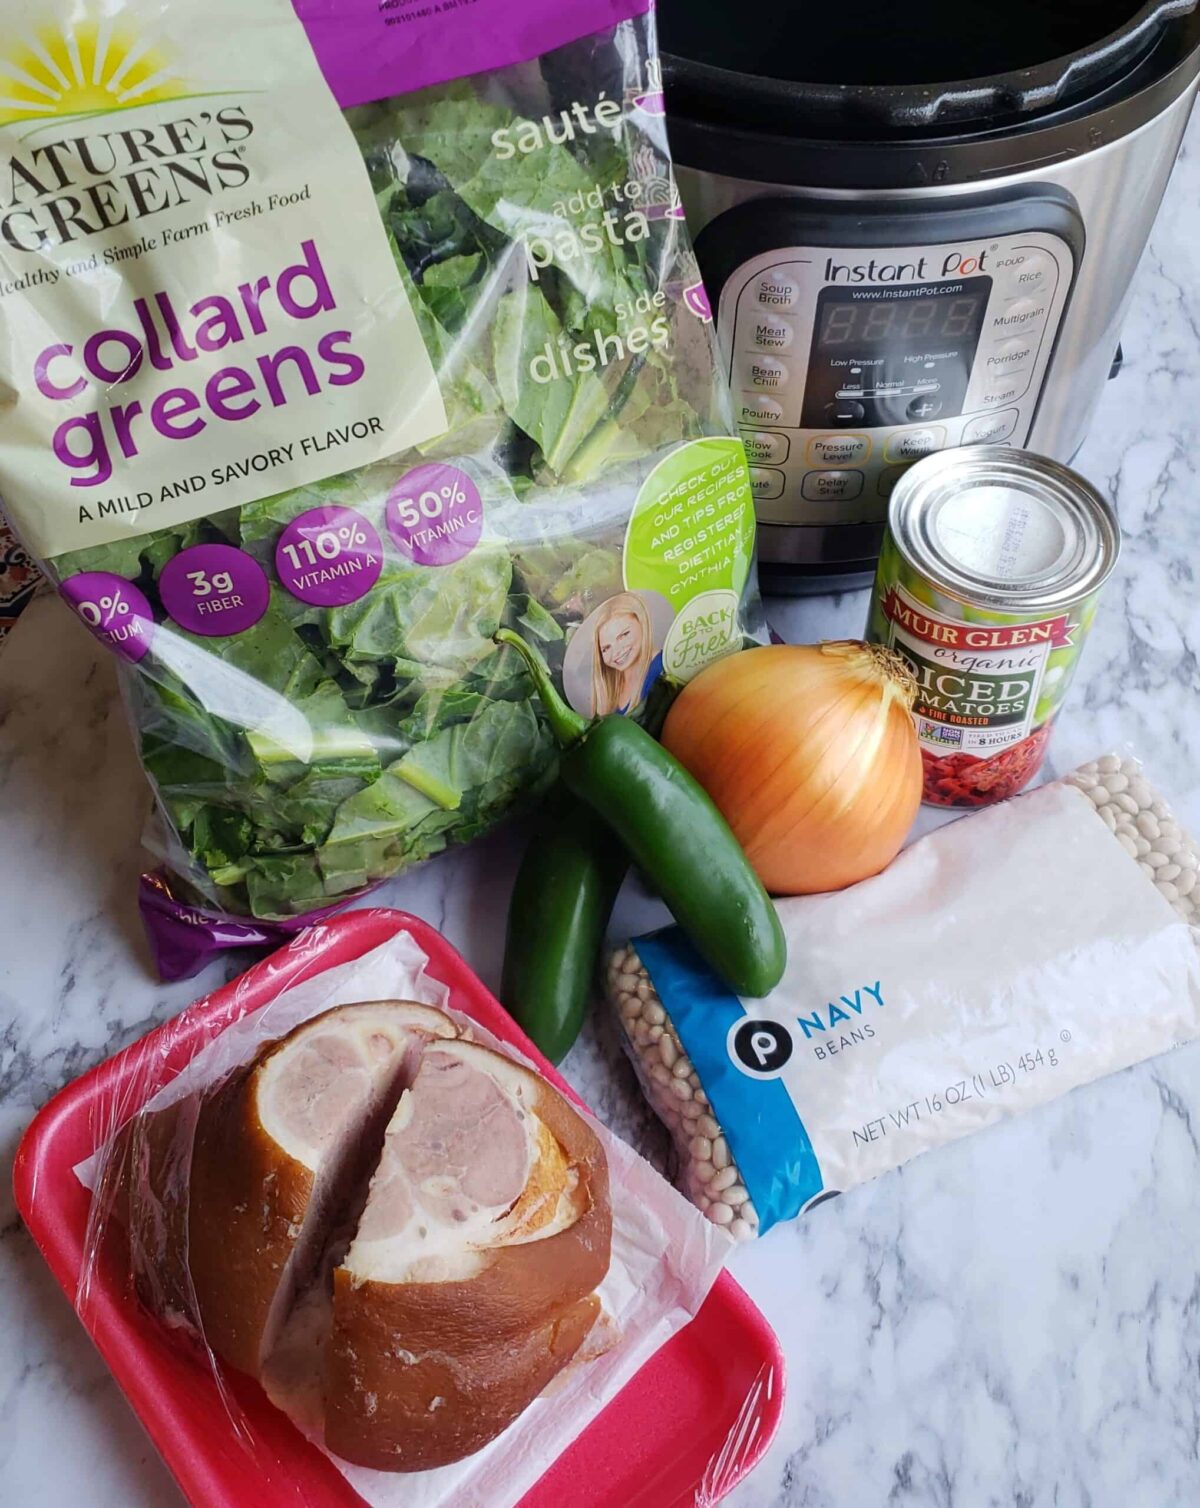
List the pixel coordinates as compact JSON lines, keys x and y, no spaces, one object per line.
{"x":74,"y":172}
{"x":90,"y":68}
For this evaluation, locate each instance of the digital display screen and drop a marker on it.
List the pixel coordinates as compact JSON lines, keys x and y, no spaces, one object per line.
{"x":885,"y":357}
{"x":937,"y":318}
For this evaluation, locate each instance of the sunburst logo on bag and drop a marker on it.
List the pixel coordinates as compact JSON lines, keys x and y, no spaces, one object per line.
{"x":89,"y":68}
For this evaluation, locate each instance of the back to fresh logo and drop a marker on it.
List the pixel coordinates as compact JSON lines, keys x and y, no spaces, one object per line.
{"x":89,"y":68}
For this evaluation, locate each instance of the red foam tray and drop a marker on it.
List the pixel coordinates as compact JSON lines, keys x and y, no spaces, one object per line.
{"x":685,"y":1430}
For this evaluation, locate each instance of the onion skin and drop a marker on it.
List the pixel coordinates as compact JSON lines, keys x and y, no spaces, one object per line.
{"x":811,"y":755}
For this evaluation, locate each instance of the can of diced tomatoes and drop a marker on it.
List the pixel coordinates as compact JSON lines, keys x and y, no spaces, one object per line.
{"x":988,"y":584}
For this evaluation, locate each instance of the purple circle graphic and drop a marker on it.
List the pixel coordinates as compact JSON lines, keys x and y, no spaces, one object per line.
{"x":329,"y":556}
{"x":114,"y":610}
{"x":435,"y":514}
{"x":214,"y":590}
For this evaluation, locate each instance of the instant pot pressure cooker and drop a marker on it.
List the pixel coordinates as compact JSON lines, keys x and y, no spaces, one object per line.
{"x":919,"y":226}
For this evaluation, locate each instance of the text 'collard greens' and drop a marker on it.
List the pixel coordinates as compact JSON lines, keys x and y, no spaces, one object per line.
{"x":324,"y":366}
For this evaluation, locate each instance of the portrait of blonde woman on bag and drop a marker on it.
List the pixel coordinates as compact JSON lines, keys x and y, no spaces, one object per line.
{"x":615,"y":655}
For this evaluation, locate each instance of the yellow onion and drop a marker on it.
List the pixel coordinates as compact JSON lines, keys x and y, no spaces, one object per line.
{"x":811,"y":754}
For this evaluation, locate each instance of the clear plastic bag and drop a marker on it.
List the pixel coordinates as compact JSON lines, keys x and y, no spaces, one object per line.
{"x":311,"y":673}
{"x":1000,"y":962}
{"x":664,"y":1259}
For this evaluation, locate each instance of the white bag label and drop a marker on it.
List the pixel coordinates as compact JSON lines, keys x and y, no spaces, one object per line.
{"x":199,"y":305}
{"x":996,"y":965}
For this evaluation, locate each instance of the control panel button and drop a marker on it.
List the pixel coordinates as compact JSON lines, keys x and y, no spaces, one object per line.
{"x":771,"y":332}
{"x":993,"y":429}
{"x":764,"y":373}
{"x":1010,"y":357}
{"x":753,"y":409}
{"x":777,"y":290}
{"x":888,"y":479}
{"x":761,"y":445}
{"x":832,"y":486}
{"x":766,"y":483}
{"x":1030,"y":273}
{"x":846,"y":411}
{"x":926,"y":406}
{"x":1001,"y":391}
{"x":913,"y":444}
{"x":1018,"y":317}
{"x":838,"y":450}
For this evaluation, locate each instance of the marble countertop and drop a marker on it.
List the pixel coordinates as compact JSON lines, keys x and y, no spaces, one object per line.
{"x":1012,"y":1320}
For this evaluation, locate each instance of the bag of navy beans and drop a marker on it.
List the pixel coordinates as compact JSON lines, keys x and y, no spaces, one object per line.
{"x":1000,"y":962}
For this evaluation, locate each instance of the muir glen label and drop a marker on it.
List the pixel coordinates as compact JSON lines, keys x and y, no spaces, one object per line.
{"x":987,"y":693}
{"x":978,"y":685}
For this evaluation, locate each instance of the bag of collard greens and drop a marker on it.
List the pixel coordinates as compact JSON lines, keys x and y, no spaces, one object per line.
{"x":336,"y":339}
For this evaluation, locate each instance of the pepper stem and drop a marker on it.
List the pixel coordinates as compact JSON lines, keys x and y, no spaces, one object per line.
{"x":566,"y":725}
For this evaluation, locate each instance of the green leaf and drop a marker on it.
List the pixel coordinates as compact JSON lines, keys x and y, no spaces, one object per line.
{"x":533,"y":621}
{"x":559,"y":412}
{"x":388,"y":807}
{"x":503,"y":739}
{"x":433,"y":618}
{"x":447,"y":291}
{"x":568,"y":576}
{"x":306,"y":811}
{"x":436,"y":710}
{"x":285,"y":886}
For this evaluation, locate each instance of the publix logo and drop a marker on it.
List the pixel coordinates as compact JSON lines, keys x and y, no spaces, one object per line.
{"x":761,"y":1048}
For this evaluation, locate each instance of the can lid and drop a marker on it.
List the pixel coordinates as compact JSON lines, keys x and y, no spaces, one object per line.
{"x":1004,"y":529}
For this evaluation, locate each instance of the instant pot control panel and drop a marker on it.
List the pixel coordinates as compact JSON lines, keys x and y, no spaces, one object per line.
{"x":848,"y":363}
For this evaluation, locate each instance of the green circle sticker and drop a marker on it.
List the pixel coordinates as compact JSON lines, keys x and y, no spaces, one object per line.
{"x":691,"y":540}
{"x":692,"y":529}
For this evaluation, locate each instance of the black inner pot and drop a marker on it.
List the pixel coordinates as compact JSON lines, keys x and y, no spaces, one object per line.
{"x":880,"y":42}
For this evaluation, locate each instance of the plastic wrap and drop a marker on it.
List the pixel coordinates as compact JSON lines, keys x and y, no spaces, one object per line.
{"x":1000,"y":962}
{"x":664,"y":1258}
{"x":746,"y":1438}
{"x":476,"y":387}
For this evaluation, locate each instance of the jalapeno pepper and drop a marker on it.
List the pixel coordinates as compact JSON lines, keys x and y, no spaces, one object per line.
{"x":561,"y":903}
{"x":672,"y":832}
